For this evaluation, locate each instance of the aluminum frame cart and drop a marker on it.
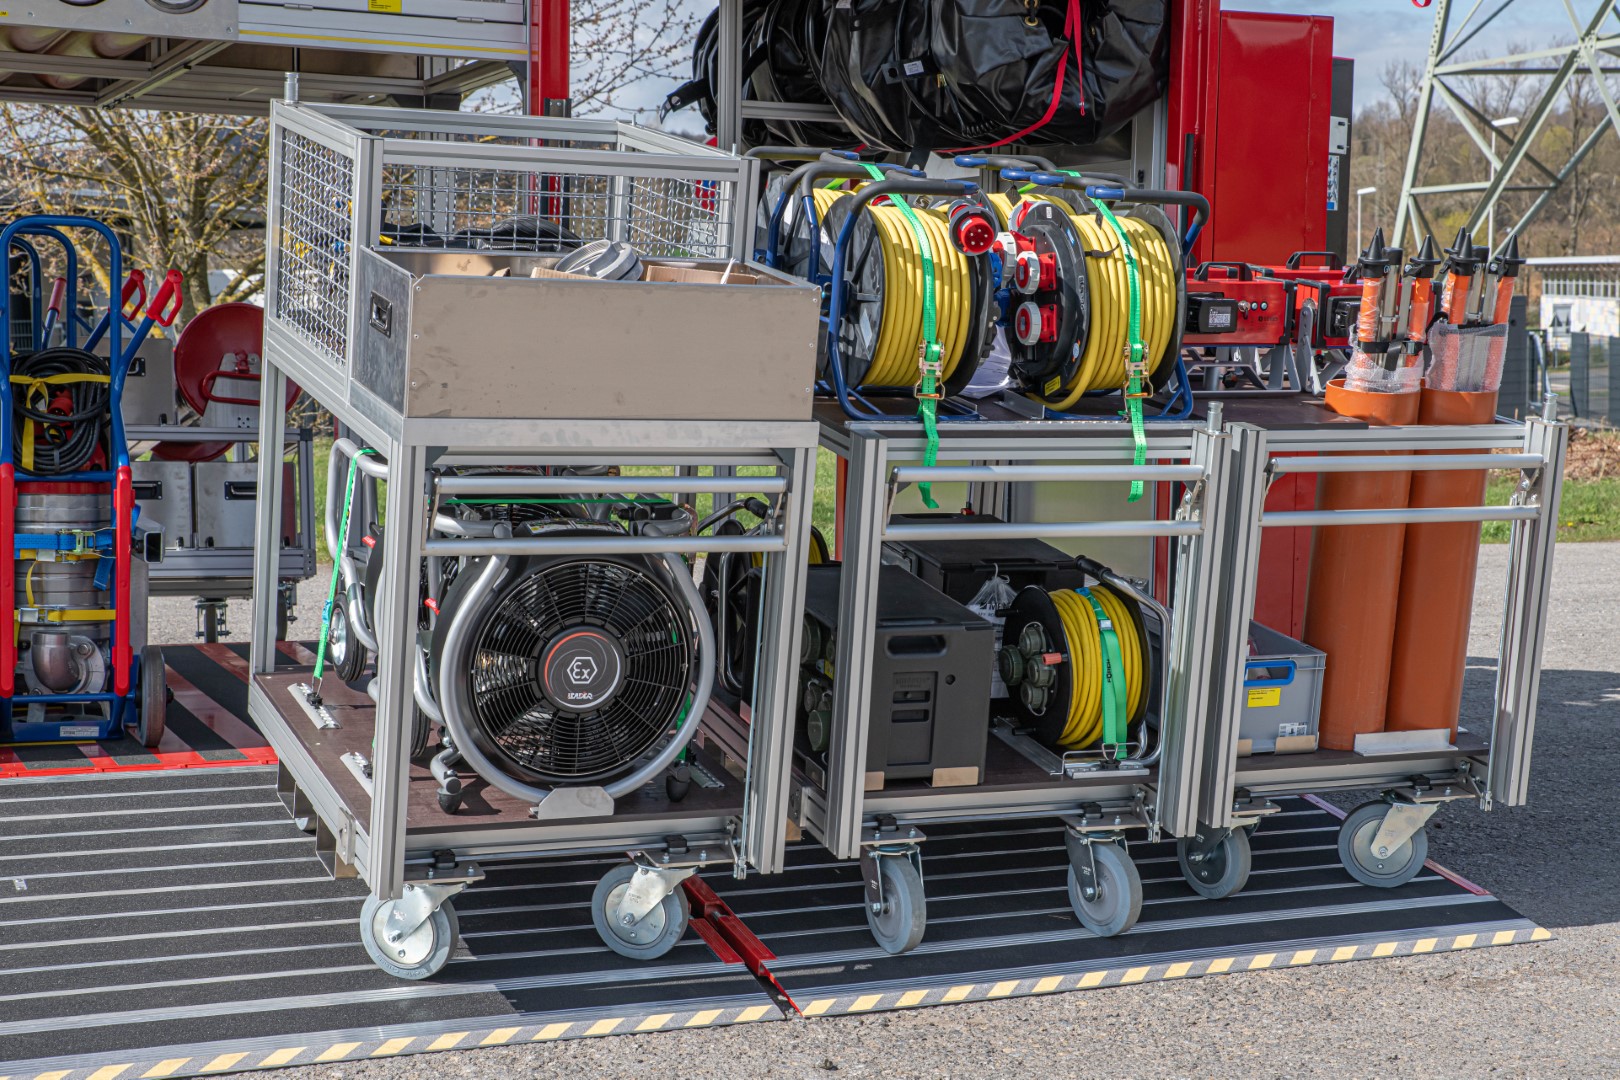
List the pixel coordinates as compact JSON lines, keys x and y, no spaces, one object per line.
{"x":1383,"y":842}
{"x":345,"y":310}
{"x":1101,"y":804}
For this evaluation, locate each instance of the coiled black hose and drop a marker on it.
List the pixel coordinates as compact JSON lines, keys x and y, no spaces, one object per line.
{"x":65,"y":441}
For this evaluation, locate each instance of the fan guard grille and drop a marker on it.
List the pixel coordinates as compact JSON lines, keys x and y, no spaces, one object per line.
{"x":541,"y":740}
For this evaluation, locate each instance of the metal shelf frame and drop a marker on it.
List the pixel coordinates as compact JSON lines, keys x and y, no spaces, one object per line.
{"x":1000,"y":456}
{"x":1233,"y":788}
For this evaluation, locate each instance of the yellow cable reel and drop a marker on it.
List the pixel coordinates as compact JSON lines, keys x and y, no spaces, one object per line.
{"x":1071,"y":321}
{"x":1052,"y":659}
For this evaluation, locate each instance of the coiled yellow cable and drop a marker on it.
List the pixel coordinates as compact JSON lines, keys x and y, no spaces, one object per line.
{"x":1084,"y":648}
{"x":894,"y":357}
{"x":1102,"y":363}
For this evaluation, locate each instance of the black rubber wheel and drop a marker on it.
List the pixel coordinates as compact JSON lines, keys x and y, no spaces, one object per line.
{"x":1116,"y":899}
{"x":1223,"y":871}
{"x":1385,"y":871}
{"x":450,"y":801}
{"x":348,"y":656}
{"x":421,"y":730}
{"x":420,"y":955}
{"x":899,"y":924}
{"x":154,"y":698}
{"x":678,"y":783}
{"x":658,"y":930}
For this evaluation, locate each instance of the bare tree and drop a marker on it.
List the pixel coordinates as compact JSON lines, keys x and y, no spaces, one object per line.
{"x":184,"y":191}
{"x":620,"y":44}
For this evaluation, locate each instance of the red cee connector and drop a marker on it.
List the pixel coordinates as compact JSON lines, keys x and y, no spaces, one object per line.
{"x":972,"y":231}
{"x":1036,"y":272}
{"x":1033,"y":323}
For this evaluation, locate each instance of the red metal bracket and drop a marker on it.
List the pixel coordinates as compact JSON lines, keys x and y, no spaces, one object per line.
{"x":718,"y":925}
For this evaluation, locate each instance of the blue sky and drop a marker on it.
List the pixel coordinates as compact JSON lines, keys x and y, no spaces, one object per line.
{"x":1372,"y":32}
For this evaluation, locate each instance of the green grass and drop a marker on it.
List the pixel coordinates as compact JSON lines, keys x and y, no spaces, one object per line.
{"x":1588,"y":510}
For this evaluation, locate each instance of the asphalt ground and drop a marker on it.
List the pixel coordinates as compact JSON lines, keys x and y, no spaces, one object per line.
{"x":1549,"y":1009}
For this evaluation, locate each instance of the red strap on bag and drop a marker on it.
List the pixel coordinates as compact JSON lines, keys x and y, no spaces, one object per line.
{"x":1072,"y":29}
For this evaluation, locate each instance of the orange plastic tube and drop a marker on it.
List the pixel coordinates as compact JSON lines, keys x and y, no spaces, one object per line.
{"x":1438,"y":563}
{"x":1356,"y":578}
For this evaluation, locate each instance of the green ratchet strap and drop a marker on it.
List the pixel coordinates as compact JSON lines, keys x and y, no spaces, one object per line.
{"x":928,"y":350}
{"x":337,"y":563}
{"x":1135,"y":363}
{"x":1115,"y":698}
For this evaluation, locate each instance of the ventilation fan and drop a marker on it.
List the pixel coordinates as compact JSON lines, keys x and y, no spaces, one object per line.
{"x":570,"y":670}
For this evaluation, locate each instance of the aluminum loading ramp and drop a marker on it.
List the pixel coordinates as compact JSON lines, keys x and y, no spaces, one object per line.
{"x":1000,"y":924}
{"x":142,"y":910}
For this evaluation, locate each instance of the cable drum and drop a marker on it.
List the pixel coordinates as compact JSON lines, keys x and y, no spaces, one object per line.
{"x":882,"y":323}
{"x":1053,"y":659}
{"x":1074,"y":274}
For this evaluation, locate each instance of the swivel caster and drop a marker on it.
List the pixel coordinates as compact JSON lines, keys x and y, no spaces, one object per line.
{"x":1105,"y":888}
{"x":678,"y":782}
{"x":1215,"y":869}
{"x":415,"y":954}
{"x":648,"y":937}
{"x":1385,"y":859}
{"x":898,"y":915}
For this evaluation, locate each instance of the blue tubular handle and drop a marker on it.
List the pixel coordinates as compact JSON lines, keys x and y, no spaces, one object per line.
{"x":835,"y":303}
{"x":70,"y":301}
{"x":1291,"y":665}
{"x":36,"y":291}
{"x":1005,"y":161}
{"x":1115,"y":193}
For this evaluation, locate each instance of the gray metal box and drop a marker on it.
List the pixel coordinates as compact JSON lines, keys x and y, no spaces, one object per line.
{"x":149,"y":392}
{"x":440,"y":337}
{"x":163,"y":492}
{"x":226,"y":495}
{"x":1282,"y":685}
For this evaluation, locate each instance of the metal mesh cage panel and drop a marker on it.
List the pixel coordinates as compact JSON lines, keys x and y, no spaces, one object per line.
{"x":314,"y":244}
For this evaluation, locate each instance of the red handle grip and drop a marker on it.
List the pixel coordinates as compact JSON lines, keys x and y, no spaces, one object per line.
{"x":134,"y":286}
{"x":58,"y":293}
{"x":165,"y":306}
{"x":208,"y":380}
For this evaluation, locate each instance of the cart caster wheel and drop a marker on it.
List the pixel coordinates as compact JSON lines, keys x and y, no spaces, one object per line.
{"x":420,"y":955}
{"x":677,"y":783}
{"x":899,"y":924}
{"x":305,"y":824}
{"x":658,"y":930}
{"x":1115,"y":902}
{"x":347,"y":654}
{"x":149,"y":725}
{"x":1366,"y":866}
{"x":1223,"y":871}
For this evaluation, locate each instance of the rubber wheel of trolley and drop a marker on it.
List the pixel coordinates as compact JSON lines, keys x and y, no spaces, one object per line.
{"x":1116,"y":903}
{"x":658,"y":930}
{"x":1356,"y":852}
{"x":421,"y":729}
{"x":420,"y":955}
{"x":154,"y":698}
{"x":1223,"y":871}
{"x":898,"y":926}
{"x":348,"y":656}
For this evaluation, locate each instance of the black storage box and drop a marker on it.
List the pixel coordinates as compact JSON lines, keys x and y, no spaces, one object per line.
{"x":930,"y":708}
{"x":959,"y":568}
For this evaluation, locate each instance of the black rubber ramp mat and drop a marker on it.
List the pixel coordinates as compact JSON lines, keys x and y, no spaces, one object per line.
{"x":177,"y":923}
{"x":1000,"y":924}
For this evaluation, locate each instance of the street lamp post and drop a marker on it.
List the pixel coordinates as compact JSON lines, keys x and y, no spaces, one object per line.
{"x":1359,"y":193}
{"x":1490,"y":215}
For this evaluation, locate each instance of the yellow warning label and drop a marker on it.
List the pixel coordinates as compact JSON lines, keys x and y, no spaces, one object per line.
{"x":1053,"y":385}
{"x":1265,"y":697}
{"x":393,"y":7}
